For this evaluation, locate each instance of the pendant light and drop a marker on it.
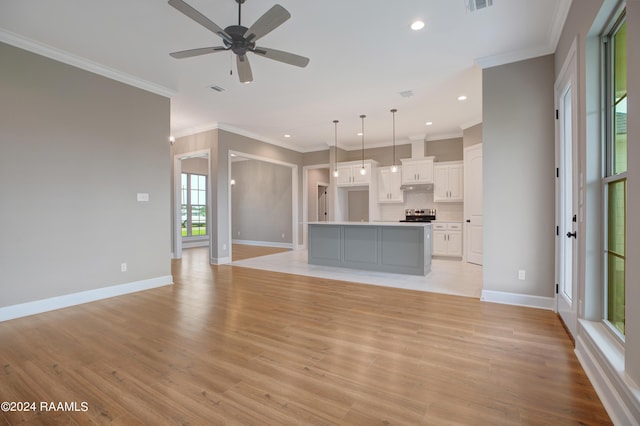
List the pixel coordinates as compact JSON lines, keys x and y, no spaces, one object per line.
{"x":335,"y":150}
{"x":363,"y":171}
{"x":394,"y":168}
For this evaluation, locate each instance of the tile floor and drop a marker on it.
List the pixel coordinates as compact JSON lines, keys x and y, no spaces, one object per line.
{"x":447,"y":276}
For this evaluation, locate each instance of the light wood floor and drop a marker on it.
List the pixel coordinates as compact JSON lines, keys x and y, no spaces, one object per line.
{"x":231,"y":345}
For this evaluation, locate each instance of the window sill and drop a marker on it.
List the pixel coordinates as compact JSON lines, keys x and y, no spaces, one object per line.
{"x":603,"y":359}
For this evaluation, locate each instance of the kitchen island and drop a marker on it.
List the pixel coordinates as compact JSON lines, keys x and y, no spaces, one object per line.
{"x":397,"y":247}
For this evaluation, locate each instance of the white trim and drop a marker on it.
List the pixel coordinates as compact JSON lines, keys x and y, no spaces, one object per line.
{"x":294,"y":194}
{"x":195,"y":243}
{"x":602,"y":359}
{"x":518,"y":299}
{"x":246,"y":133}
{"x":220,"y":260}
{"x":559,"y":18}
{"x":471,"y":123}
{"x":82,"y":63}
{"x":59,"y":302}
{"x":264,"y":243}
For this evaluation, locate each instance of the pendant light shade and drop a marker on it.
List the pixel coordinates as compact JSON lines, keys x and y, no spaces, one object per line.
{"x":363,"y":171}
{"x":394,"y":168}
{"x":335,"y":150}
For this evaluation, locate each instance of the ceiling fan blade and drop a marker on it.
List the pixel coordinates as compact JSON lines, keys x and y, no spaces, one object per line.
{"x":197,"y":52}
{"x":199,"y":18}
{"x":268,"y":22}
{"x":244,"y":69}
{"x":279,"y":55}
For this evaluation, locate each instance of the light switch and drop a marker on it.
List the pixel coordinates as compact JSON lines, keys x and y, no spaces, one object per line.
{"x":143,"y":196}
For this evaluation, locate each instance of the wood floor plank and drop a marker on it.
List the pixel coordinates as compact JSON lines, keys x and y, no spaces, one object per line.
{"x":233,"y":345}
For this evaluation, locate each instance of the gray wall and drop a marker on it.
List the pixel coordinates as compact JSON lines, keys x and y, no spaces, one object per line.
{"x":472,"y":135}
{"x":261,"y":202}
{"x":445,"y":149}
{"x":198,"y":166}
{"x":76,"y":148}
{"x":518,"y":167}
{"x":219,"y":143}
{"x":383,"y":155}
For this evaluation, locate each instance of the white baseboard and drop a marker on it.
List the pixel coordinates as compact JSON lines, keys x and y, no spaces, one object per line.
{"x":602,"y":359}
{"x":264,"y":243}
{"x":220,"y":260}
{"x":196,"y":243}
{"x":58,"y":302}
{"x":518,"y":299}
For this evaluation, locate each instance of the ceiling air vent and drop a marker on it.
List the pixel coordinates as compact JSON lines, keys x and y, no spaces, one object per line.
{"x":217,"y":88}
{"x":406,"y":93}
{"x":473,"y":5}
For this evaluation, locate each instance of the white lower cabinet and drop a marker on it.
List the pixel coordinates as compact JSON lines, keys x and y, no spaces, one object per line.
{"x":447,"y":239}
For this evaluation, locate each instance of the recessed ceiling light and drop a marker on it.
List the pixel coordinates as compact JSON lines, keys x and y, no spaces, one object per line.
{"x":462,"y":98}
{"x":287,"y":136}
{"x":359,"y":133}
{"x":428,"y":123}
{"x":417,"y":25}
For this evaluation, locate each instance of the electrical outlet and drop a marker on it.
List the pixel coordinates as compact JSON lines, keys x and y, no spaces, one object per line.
{"x":283,"y":235}
{"x":224,"y":247}
{"x":123,"y":267}
{"x":522,"y":274}
{"x":238,"y":233}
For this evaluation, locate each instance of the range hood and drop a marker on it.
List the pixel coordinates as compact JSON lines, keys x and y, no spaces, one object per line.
{"x":417,"y":152}
{"x":425,"y":187}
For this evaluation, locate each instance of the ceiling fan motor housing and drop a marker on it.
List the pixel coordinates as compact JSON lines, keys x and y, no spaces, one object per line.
{"x":238,"y":44}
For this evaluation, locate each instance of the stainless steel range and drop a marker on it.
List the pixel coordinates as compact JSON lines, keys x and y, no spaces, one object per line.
{"x":419,"y":215}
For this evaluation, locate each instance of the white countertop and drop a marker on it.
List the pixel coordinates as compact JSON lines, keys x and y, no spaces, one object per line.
{"x":375,"y":223}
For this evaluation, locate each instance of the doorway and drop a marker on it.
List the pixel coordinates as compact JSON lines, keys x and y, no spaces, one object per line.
{"x":567,"y":214}
{"x":323,"y":189}
{"x":186,"y":218}
{"x":473,"y":203}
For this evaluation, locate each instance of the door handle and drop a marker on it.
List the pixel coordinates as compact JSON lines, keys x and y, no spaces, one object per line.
{"x":572,"y":234}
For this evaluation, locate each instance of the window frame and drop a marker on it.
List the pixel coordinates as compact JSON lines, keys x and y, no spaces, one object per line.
{"x":609,"y":176}
{"x":189,"y":205}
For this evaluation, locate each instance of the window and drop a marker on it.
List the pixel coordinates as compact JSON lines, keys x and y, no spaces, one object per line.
{"x":194,"y":205}
{"x":615,"y":179}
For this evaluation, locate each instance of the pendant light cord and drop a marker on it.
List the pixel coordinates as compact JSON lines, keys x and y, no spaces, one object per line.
{"x":363,"y":117}
{"x":393,"y":111}
{"x":335,"y":150}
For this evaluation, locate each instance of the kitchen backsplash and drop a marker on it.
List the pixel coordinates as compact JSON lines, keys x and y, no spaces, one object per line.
{"x":453,"y":212}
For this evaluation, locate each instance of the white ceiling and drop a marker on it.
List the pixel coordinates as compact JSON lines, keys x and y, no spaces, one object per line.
{"x":363,"y":54}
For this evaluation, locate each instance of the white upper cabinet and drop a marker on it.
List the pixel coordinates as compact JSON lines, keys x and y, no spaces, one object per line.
{"x":417,"y":170}
{"x":448,"y":182}
{"x":389,"y":185}
{"x":349,"y":173}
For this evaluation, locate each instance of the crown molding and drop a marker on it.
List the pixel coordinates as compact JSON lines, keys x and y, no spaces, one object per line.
{"x":82,"y":63}
{"x":474,"y":122}
{"x":559,"y":18}
{"x":443,"y":136}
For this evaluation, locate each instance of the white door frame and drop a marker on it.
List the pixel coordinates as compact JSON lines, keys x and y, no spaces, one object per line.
{"x":567,"y":178}
{"x":470,"y":220}
{"x":305,"y":197}
{"x":294,"y":194}
{"x":177,"y":198}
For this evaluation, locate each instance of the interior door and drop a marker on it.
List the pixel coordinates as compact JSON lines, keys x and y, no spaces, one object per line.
{"x":473,"y":203}
{"x":566,"y":199}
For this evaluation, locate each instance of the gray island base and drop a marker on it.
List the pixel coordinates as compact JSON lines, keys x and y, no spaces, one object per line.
{"x":400,"y":248}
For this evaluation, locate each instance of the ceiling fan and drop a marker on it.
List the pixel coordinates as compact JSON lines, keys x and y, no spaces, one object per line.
{"x":241,"y":40}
